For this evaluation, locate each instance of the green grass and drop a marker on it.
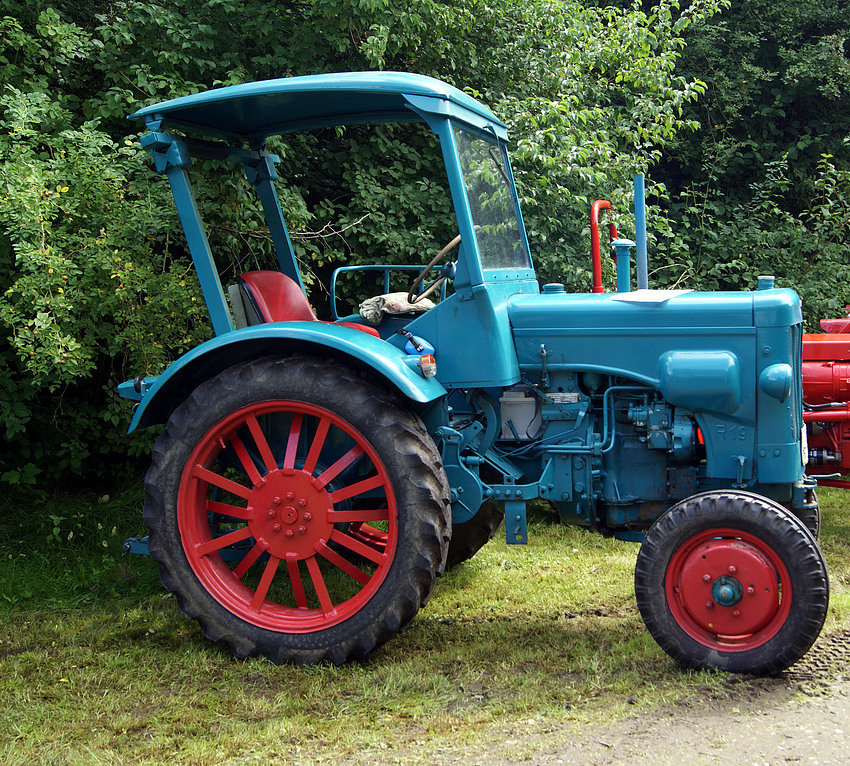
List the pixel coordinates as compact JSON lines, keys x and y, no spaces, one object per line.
{"x":97,"y":666}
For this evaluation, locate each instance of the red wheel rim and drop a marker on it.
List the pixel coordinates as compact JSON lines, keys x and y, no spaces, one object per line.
{"x":728,"y":589}
{"x":281,"y":479}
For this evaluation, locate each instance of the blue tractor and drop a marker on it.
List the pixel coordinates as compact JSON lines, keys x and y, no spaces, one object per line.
{"x":315,"y":477}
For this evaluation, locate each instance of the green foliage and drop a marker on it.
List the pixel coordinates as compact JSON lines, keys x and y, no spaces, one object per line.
{"x":604,"y":101}
{"x":761,"y":187}
{"x":720,"y":245}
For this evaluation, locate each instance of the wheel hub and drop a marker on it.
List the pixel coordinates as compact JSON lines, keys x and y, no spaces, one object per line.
{"x":728,"y":587}
{"x":289,"y":514}
{"x":726,"y":591}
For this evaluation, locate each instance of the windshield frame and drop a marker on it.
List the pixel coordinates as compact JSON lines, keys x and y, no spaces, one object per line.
{"x":490,"y":190}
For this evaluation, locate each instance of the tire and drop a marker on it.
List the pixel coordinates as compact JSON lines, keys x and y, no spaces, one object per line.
{"x":262,"y":476}
{"x":732,"y":581}
{"x":470,"y":536}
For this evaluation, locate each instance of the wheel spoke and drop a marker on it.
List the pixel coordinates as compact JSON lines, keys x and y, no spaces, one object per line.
{"x":247,"y":461}
{"x":374,"y":538}
{"x":261,"y":442}
{"x":217,"y":480}
{"x":217,"y":543}
{"x":295,"y":580}
{"x":376,"y":557}
{"x":317,"y":444}
{"x":319,"y":585}
{"x":292,"y":442}
{"x":342,"y":564}
{"x":340,"y":465}
{"x":249,"y":560}
{"x":356,"y":489}
{"x":225,"y":509}
{"x":362,"y":516}
{"x":265,"y":584}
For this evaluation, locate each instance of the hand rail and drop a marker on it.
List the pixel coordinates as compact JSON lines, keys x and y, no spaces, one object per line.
{"x":385,"y":268}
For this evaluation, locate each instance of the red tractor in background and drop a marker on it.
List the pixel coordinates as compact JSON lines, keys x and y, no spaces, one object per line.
{"x":826,"y":395}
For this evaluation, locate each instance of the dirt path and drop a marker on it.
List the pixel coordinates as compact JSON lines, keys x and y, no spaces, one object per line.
{"x":770,"y":730}
{"x":801,"y":718}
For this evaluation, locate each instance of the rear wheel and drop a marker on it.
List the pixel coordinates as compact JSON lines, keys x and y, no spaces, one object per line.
{"x":470,"y":536}
{"x":297,"y":511}
{"x":732,"y":581}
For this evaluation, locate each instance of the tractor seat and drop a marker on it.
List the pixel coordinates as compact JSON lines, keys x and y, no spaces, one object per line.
{"x":271,"y":296}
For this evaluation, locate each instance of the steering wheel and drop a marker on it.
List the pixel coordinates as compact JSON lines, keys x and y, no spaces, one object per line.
{"x":415,"y":294}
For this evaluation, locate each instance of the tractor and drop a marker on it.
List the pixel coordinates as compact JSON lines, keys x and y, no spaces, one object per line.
{"x":826,"y":393}
{"x":315,"y":477}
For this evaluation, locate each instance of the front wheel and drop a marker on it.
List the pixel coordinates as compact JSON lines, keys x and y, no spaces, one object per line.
{"x":731,"y":581}
{"x":297,"y":511}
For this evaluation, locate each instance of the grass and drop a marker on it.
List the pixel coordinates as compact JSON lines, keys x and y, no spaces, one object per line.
{"x":97,"y":666}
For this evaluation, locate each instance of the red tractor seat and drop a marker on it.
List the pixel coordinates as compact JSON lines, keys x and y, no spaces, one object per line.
{"x":275,"y":297}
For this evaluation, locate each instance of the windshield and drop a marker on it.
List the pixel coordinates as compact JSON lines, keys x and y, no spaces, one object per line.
{"x":493,"y":205}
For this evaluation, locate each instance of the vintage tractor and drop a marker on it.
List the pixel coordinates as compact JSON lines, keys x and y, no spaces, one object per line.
{"x":314,"y":477}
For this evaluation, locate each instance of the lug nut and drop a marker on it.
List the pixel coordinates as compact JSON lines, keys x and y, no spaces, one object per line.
{"x":732,"y":569}
{"x":709,"y":605}
{"x":276,"y":528}
{"x":751,"y":591}
{"x":276,"y":501}
{"x":290,"y":495}
{"x":308,"y":516}
{"x":272,"y":513}
{"x":302,"y":503}
{"x":302,"y":530}
{"x":736,"y":612}
{"x":706,"y":578}
{"x":289,"y":533}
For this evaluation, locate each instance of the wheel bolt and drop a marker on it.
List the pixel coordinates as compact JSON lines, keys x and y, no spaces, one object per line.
{"x":732,"y":569}
{"x":302,"y":530}
{"x":276,"y":528}
{"x":307,"y":516}
{"x":709,"y":605}
{"x":751,"y":591}
{"x":289,"y":533}
{"x":272,"y":513}
{"x":276,"y":501}
{"x":736,"y":612}
{"x":290,"y":495}
{"x":302,"y":503}
{"x":706,"y":578}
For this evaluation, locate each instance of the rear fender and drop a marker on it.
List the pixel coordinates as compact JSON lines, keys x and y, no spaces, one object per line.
{"x":159,"y":396}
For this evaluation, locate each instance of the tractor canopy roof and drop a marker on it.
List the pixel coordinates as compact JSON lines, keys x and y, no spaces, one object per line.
{"x":253,"y":111}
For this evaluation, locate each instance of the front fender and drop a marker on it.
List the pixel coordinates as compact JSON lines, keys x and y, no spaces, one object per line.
{"x":161,"y":395}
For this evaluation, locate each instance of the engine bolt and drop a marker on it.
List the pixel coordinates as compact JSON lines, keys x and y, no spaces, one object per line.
{"x":732,"y":569}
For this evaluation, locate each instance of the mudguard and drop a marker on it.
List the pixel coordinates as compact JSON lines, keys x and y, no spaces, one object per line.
{"x":159,"y":396}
